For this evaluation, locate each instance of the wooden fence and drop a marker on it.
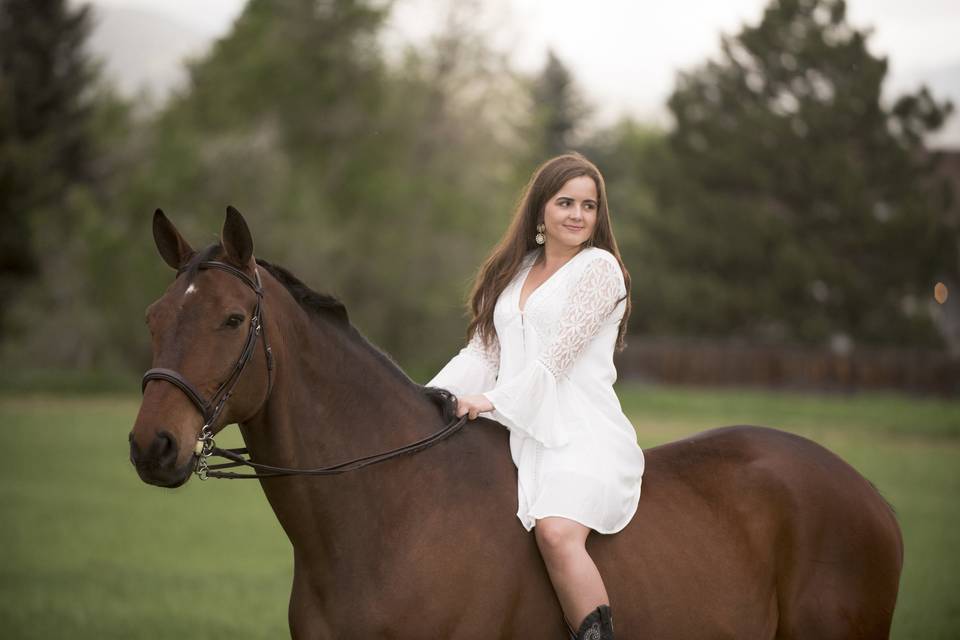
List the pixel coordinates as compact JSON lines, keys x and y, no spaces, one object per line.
{"x":695,"y":362}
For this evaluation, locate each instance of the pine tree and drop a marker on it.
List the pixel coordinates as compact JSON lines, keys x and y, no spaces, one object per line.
{"x":799,"y":206}
{"x":559,"y":110}
{"x":45,"y":117}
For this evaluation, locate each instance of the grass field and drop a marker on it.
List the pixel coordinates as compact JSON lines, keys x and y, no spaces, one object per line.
{"x":88,"y":551}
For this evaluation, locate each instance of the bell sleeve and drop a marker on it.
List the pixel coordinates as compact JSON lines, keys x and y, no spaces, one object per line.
{"x":529,"y":402}
{"x":473,"y":370}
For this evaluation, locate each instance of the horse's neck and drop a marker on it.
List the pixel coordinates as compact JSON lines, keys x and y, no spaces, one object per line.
{"x":333,"y":400}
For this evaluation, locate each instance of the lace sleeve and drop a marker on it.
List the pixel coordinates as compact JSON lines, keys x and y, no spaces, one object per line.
{"x":590,"y":301}
{"x":489,"y":355}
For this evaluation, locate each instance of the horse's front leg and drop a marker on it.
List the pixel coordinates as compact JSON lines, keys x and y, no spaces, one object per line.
{"x":304,"y":615}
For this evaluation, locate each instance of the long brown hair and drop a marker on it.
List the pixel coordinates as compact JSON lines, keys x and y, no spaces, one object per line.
{"x":501,"y":265}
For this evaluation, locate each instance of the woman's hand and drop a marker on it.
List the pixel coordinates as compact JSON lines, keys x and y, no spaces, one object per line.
{"x":473,"y":405}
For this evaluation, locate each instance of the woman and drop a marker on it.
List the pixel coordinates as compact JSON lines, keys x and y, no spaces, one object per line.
{"x":549,"y":307}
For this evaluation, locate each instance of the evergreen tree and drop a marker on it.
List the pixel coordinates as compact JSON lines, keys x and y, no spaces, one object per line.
{"x":46,"y":81}
{"x":559,"y":109}
{"x":797,"y":205}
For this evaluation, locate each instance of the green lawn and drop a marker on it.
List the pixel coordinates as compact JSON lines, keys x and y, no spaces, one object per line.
{"x":91,"y":552}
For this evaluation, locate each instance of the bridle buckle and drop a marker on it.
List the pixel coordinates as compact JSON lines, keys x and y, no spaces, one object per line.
{"x":204,"y":447}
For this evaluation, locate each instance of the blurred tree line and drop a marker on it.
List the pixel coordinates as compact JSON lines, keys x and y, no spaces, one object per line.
{"x":788,"y":204}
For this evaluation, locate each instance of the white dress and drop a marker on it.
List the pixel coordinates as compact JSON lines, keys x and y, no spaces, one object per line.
{"x":549,"y":376}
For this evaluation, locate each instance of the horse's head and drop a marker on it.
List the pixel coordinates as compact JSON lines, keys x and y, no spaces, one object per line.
{"x":209,"y":369}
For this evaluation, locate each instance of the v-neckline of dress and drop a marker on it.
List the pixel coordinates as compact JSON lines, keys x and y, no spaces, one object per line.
{"x":523,"y":280}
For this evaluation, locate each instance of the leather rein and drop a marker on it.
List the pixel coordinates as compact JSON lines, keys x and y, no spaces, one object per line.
{"x":206,"y":448}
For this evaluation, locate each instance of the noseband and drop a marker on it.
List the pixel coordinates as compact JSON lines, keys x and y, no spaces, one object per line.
{"x":210,"y":410}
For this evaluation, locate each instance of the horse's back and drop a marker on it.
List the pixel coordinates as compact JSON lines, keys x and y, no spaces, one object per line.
{"x":769,"y":533}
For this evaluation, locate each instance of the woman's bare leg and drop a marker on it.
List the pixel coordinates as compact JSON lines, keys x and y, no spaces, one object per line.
{"x":572,"y":571}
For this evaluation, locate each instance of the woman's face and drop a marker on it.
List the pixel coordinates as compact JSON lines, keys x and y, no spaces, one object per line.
{"x":571,"y":213}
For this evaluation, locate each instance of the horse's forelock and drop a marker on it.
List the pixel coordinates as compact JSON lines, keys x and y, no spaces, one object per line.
{"x":208,"y":253}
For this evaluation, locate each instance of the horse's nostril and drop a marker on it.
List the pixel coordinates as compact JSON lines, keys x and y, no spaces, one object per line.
{"x":130,"y":437}
{"x":134,"y":450}
{"x":165,"y":446}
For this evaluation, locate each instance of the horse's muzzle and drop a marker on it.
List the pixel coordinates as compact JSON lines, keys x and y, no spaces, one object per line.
{"x":157,"y":465}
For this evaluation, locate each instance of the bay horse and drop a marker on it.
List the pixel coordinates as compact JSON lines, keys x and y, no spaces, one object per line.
{"x":741,"y":531}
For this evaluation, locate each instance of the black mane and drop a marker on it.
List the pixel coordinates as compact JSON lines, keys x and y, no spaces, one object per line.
{"x":312,"y":301}
{"x":330,"y":306}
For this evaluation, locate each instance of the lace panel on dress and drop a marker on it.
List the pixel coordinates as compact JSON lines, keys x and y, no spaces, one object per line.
{"x":589,"y":302}
{"x":489,"y":355}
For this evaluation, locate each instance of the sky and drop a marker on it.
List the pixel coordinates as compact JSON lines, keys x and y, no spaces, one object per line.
{"x":625,"y":54}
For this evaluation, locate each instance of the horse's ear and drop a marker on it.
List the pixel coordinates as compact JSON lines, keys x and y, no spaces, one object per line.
{"x":236,"y":238}
{"x":174,"y":250}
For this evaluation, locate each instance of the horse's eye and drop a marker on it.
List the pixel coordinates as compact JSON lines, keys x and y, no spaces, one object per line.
{"x":234,"y":321}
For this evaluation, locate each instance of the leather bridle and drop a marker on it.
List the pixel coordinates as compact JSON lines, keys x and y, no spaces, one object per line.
{"x":210,"y":410}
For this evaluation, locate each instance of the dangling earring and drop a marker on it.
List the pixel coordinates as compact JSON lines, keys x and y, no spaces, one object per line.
{"x":539,"y":237}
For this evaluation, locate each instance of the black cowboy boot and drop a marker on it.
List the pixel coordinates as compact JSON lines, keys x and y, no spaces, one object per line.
{"x":598,"y":625}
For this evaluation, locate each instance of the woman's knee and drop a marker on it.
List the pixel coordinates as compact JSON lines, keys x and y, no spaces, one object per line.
{"x":559,"y":537}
